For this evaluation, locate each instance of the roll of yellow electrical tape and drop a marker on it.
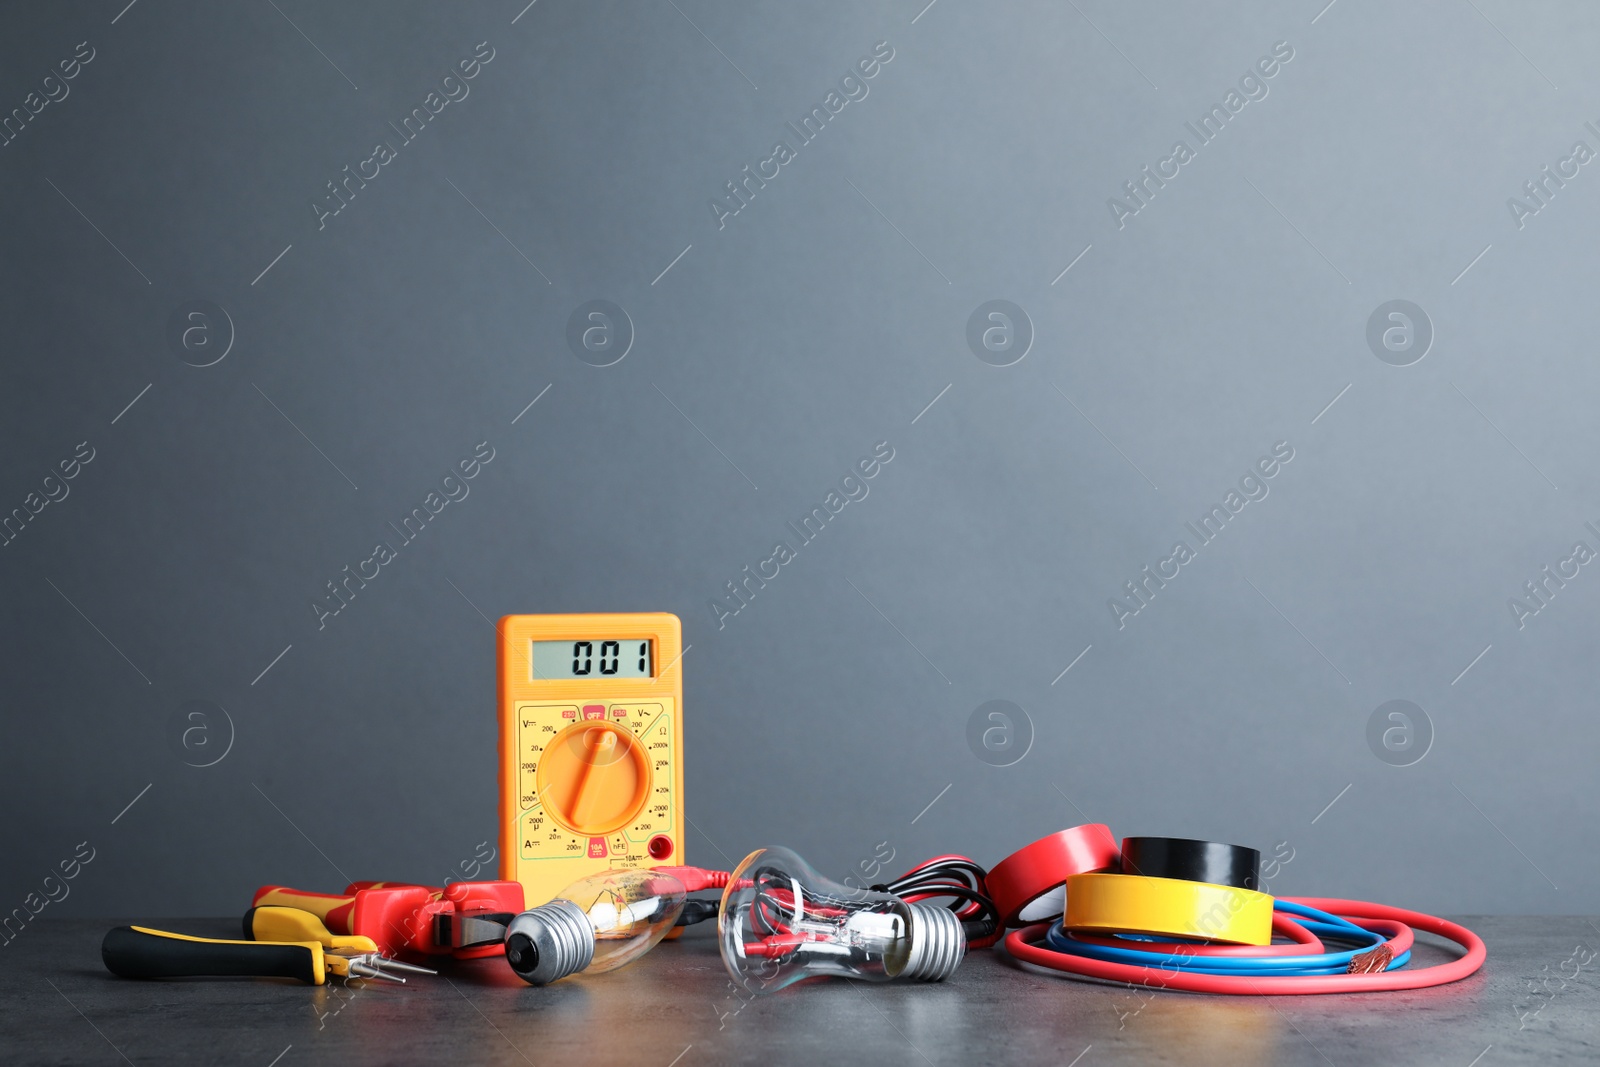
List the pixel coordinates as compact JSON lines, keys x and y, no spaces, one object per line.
{"x":1167,"y":907}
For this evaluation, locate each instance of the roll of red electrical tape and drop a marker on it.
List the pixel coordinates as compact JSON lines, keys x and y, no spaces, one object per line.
{"x":1025,"y":885}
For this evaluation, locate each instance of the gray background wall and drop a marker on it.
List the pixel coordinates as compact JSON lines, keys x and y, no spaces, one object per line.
{"x":832,"y":713}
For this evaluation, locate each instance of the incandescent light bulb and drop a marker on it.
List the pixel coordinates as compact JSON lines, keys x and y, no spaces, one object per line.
{"x":781,"y":921}
{"x":597,"y":924}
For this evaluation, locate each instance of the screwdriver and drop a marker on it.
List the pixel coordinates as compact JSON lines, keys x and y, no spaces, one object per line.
{"x":140,"y":952}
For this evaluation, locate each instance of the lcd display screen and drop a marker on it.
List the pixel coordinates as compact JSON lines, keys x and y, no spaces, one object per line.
{"x":592,"y":657}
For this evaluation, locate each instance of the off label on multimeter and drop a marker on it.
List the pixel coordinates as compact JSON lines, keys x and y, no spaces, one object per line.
{"x":591,"y":770}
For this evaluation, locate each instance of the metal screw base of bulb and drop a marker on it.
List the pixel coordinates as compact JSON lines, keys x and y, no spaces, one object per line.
{"x":550,"y":942}
{"x":938,"y":943}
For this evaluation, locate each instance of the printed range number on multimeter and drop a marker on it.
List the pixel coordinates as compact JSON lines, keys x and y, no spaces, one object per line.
{"x":595,"y":780}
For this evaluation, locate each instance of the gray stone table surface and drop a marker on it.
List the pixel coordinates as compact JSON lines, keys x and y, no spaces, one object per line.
{"x":675,"y":1008}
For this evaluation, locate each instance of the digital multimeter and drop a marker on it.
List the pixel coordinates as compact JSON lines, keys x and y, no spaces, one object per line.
{"x":591,"y":746}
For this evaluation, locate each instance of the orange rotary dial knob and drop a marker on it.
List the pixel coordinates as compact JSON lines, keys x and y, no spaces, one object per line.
{"x":594,"y":778}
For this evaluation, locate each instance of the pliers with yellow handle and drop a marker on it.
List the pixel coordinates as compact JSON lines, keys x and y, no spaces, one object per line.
{"x":286,"y":943}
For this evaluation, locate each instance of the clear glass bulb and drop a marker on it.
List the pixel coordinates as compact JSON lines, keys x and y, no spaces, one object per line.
{"x":781,"y":921}
{"x":597,"y":924}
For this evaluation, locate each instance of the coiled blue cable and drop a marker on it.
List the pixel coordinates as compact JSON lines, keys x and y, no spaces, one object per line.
{"x":1318,"y":922}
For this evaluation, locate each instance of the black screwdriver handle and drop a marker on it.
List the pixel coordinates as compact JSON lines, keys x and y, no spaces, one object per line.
{"x":138,"y":952}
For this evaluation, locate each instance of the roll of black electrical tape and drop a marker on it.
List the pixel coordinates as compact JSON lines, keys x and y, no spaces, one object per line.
{"x":1192,"y":861}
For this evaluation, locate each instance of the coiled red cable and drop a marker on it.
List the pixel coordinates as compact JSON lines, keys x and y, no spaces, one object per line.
{"x":1398,"y":923}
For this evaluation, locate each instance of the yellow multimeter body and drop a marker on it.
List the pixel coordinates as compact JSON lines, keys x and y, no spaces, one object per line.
{"x":591,"y":746}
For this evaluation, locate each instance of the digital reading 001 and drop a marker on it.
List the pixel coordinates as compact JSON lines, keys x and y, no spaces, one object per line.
{"x":581,"y":658}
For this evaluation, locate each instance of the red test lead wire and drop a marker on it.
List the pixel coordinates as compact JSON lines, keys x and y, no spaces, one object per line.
{"x":695,"y":879}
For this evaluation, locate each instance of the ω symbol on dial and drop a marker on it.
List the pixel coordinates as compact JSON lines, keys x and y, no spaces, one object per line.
{"x":594,"y":778}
